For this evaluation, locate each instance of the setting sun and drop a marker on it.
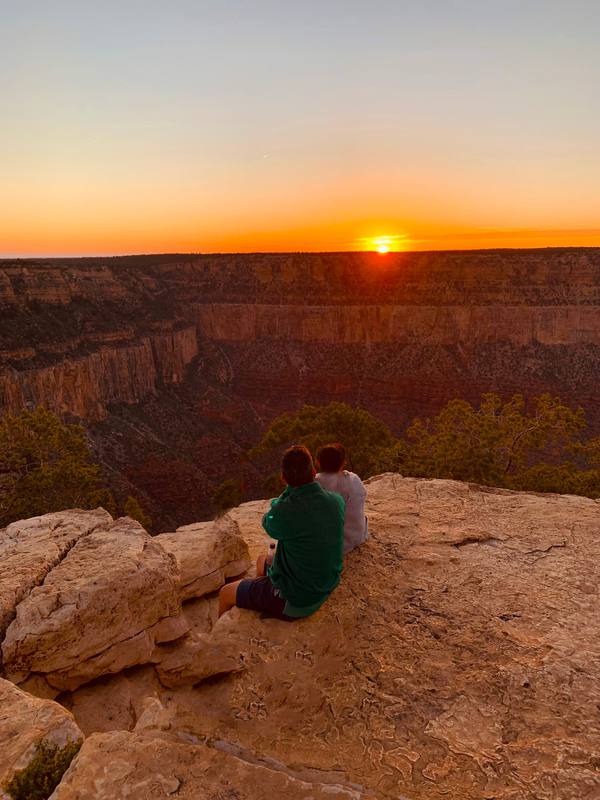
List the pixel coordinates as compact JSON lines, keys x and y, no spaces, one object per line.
{"x":384,"y":244}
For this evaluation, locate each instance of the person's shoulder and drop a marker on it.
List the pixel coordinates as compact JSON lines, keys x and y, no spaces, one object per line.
{"x":356,"y":484}
{"x":354,"y":478}
{"x":335,"y":498}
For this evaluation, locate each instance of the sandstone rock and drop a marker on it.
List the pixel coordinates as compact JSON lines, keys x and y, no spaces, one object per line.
{"x":195,"y":658}
{"x":25,"y":722}
{"x":111,"y":766}
{"x":103,"y":608}
{"x":31,"y":548}
{"x":245,"y":517}
{"x":201,"y":613}
{"x":206,"y":553}
{"x":459,"y":657}
{"x":113,"y":702}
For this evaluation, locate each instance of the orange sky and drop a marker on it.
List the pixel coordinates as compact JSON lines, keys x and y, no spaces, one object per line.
{"x":203,"y":127}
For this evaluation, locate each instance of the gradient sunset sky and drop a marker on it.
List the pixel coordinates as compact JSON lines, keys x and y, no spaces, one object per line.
{"x":187,"y":125}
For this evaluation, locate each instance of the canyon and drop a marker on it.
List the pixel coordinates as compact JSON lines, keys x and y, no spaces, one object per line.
{"x":176,"y":363}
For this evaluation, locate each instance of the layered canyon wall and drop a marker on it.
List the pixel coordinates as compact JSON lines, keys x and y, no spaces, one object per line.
{"x":81,"y":334}
{"x":195,"y":354}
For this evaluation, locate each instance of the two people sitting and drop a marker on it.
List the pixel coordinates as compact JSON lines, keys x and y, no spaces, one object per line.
{"x":316,"y":520}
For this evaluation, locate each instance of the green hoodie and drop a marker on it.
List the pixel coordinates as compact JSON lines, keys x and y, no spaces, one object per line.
{"x":308,"y":523}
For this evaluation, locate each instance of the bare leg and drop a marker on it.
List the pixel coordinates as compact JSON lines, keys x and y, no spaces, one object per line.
{"x":261,"y":566}
{"x":227,"y":596}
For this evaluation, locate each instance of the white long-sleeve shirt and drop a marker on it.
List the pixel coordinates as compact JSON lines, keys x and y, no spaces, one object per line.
{"x":352,"y":489}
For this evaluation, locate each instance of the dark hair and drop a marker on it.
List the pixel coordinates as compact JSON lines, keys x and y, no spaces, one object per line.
{"x":331,"y":457}
{"x":297,"y":466}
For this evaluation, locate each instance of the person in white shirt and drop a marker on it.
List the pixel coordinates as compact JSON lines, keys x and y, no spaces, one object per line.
{"x":331,"y":460}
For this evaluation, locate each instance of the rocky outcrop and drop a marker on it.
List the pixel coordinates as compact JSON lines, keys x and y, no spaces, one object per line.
{"x":91,"y":596}
{"x":86,"y":383}
{"x":458,"y":658}
{"x":27,"y":722}
{"x":31,"y":548}
{"x":114,"y":765}
{"x":206,"y":554}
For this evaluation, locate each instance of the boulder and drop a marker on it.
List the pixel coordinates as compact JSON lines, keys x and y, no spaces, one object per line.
{"x":104,"y":607}
{"x":195,"y":658}
{"x":111,"y":766}
{"x":206,"y":553}
{"x":30,"y":548}
{"x":113,"y":702}
{"x":247,"y":518}
{"x":27,"y":722}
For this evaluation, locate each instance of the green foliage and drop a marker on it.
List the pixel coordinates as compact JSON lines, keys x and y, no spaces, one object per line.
{"x":42,"y":775}
{"x":494,"y":444}
{"x":227,"y":495}
{"x":509,"y":443}
{"x":133,"y":509}
{"x":272,"y":485}
{"x":367,"y":440}
{"x":46,"y":465}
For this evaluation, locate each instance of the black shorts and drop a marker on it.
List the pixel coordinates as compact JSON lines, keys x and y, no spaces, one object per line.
{"x":259,"y":594}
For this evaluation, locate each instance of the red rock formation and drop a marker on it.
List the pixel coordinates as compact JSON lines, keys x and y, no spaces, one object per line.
{"x":222,"y":343}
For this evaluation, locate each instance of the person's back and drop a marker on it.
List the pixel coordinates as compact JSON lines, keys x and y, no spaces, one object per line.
{"x":308,"y":523}
{"x":335,"y":478}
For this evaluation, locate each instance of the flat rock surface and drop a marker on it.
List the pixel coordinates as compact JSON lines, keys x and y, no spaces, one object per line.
{"x":25,"y":721}
{"x":111,"y":766}
{"x":459,"y":658}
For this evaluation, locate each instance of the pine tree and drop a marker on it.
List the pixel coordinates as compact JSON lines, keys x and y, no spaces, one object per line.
{"x":46,"y":465}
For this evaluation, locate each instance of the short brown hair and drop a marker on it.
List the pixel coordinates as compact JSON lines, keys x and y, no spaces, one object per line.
{"x":297,"y":466}
{"x":331,"y":457}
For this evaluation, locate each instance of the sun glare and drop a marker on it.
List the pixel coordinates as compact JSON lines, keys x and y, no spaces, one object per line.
{"x":384,"y":244}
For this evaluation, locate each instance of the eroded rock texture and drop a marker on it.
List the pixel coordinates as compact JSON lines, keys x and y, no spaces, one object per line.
{"x":89,"y":596}
{"x":25,"y":723}
{"x":459,"y":658}
{"x":114,"y":765}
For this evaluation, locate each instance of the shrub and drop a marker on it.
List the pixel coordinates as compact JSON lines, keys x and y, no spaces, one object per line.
{"x":367,"y":440}
{"x":42,"y":775}
{"x":227,"y":495}
{"x":133,"y":509}
{"x":46,"y":465}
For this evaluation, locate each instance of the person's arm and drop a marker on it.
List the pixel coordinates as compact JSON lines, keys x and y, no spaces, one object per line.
{"x":281,"y":497}
{"x":276,"y":521}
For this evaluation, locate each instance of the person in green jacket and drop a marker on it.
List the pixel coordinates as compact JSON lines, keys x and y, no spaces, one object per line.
{"x":308,"y":523}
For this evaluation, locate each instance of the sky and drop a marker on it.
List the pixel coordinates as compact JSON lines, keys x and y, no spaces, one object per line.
{"x":144,"y":126}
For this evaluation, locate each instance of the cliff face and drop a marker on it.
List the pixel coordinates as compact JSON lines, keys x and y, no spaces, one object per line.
{"x":201,"y":346}
{"x":123,"y":369}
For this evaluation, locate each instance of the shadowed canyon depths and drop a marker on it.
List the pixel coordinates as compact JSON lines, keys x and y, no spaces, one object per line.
{"x":182,"y":359}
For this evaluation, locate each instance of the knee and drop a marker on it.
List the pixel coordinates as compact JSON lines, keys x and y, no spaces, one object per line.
{"x":226,"y":593}
{"x":227,"y":597}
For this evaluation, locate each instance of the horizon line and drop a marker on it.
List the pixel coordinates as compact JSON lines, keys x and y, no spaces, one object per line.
{"x":198,"y":253}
